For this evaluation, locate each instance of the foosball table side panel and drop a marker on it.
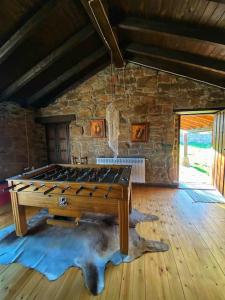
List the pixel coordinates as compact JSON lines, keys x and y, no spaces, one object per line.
{"x":76,"y":203}
{"x":117,"y":203}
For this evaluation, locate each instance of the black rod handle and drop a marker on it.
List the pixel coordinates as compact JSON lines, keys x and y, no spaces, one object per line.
{"x":38,"y":187}
{"x":65,"y":189}
{"x":79,"y":190}
{"x":94,"y":189}
{"x":107,"y":194}
{"x":50,"y":189}
{"x":24,"y":187}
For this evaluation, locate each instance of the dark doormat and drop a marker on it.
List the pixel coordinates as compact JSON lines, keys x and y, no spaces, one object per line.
{"x":206,"y":196}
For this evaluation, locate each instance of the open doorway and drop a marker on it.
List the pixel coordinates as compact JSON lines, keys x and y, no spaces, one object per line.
{"x":196,"y":151}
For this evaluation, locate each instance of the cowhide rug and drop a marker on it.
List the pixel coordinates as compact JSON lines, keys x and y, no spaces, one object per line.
{"x":51,"y":250}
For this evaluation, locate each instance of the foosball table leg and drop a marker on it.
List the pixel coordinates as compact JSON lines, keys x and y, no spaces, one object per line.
{"x":130,"y":203}
{"x":124,"y":226}
{"x":19,"y":215}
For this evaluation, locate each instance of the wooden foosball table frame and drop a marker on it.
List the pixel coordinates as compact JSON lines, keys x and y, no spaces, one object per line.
{"x":71,"y":199}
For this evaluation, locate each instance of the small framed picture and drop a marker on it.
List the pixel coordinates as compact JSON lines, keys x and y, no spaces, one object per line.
{"x":98,"y":128}
{"x":139,"y":132}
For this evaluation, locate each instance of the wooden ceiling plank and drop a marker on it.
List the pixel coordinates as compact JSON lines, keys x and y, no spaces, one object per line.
{"x":21,"y":34}
{"x":194,"y":122}
{"x":45,"y":63}
{"x":84,"y":63}
{"x":99,"y":18}
{"x":140,"y":27}
{"x":199,"y":123}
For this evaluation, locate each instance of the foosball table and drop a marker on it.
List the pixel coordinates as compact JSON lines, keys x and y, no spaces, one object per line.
{"x":70,"y":190}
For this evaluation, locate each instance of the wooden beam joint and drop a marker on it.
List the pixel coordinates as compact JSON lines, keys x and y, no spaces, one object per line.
{"x":99,"y":18}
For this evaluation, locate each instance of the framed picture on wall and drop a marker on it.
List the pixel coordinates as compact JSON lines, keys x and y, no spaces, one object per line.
{"x":139,"y":132}
{"x":98,"y":128}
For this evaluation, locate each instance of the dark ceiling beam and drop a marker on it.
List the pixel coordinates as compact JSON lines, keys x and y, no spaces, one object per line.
{"x":45,"y":63}
{"x":144,"y":29}
{"x":23,"y":32}
{"x":208,"y":64}
{"x":73,"y":82}
{"x":218,"y":1}
{"x":179,"y":63}
{"x":84,"y":63}
{"x":99,"y":18}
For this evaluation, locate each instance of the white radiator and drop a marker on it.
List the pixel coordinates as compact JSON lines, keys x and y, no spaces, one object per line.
{"x":137,"y":163}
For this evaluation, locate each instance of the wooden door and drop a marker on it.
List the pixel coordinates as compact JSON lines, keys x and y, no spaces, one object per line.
{"x":219,"y":152}
{"x":58,"y":143}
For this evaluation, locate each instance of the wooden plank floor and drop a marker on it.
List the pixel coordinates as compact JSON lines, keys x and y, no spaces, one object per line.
{"x":193,"y":268}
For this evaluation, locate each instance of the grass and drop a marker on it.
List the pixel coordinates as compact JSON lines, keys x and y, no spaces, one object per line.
{"x":200,"y":168}
{"x":200,"y":158}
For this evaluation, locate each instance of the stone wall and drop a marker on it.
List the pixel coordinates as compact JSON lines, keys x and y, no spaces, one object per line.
{"x":140,"y":95}
{"x":16,"y":151}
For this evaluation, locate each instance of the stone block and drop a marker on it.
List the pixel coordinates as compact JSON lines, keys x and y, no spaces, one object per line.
{"x":142,"y":109}
{"x":150,"y":96}
{"x":76,"y":130}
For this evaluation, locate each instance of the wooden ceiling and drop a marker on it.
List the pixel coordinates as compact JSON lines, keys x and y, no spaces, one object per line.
{"x":197,"y":122}
{"x":48,"y":46}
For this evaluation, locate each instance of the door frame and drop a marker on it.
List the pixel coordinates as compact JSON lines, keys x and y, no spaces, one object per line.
{"x":60,"y":119}
{"x":183,"y":112}
{"x":56,"y":119}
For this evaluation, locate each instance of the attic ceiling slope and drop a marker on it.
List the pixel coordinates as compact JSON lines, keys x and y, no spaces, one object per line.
{"x":46,"y":47}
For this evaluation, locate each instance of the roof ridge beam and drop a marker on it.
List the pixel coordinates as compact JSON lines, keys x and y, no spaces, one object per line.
{"x":100,"y":20}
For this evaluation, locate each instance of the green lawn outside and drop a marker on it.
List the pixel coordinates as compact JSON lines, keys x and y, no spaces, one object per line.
{"x":200,"y":157}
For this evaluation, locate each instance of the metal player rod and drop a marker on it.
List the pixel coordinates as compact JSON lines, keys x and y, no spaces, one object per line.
{"x":51,"y":176}
{"x":84,"y":175}
{"x":45,"y":173}
{"x":61,"y":175}
{"x":104,"y":175}
{"x":110,"y":188}
{"x":56,"y":175}
{"x":68,"y":173}
{"x":73,"y":173}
